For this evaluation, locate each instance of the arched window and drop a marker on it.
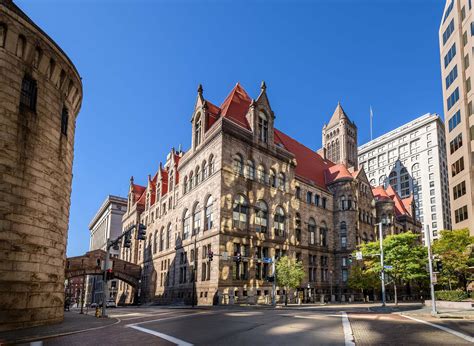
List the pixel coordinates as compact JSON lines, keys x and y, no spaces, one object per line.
{"x":186,"y":224}
{"x":3,"y":34}
{"x":261,"y":174}
{"x":272,"y":178}
{"x":37,"y":58}
{"x":211,"y":164}
{"x":392,"y":179}
{"x":382,"y":180}
{"x":349,"y":202}
{"x":209,"y":219}
{"x":185,"y":185}
{"x":312,"y":231}
{"x":343,"y":202}
{"x":191,"y":180}
{"x":197,"y":219}
{"x":281,"y":181}
{"x":262,"y":127}
{"x":279,"y":222}
{"x":323,"y":235}
{"x":162,"y":239}
{"x":168,"y":236}
{"x":250,"y":170}
{"x":197,"y":130}
{"x":372,"y":182}
{"x":205,"y":170}
{"x":238,"y":164}
{"x":197,"y":177}
{"x":261,"y":217}
{"x":338,"y":150}
{"x":415,"y":167}
{"x":155,"y":242}
{"x":240,"y":212}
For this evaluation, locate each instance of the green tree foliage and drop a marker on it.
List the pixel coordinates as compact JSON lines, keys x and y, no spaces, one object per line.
{"x":404,"y":253}
{"x":455,"y":250}
{"x":361,"y":279}
{"x":289,"y":274}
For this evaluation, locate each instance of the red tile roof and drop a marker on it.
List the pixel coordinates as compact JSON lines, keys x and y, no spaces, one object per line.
{"x":337,"y":172}
{"x":236,"y":106}
{"x":389,"y":193}
{"x":212,"y":115}
{"x":407,"y":202}
{"x":137,"y":191}
{"x":309,"y":165}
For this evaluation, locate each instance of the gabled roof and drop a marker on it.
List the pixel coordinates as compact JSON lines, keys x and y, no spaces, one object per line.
{"x":137,"y":191}
{"x":236,"y":106}
{"x":407,"y":202}
{"x":309,"y":164}
{"x":337,"y":116}
{"x":390,"y":194}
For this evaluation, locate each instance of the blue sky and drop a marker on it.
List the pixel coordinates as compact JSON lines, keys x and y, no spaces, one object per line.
{"x":141,"y":62}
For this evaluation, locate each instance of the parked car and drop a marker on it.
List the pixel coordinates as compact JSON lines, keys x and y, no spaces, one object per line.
{"x":110,"y":304}
{"x":94,"y":305}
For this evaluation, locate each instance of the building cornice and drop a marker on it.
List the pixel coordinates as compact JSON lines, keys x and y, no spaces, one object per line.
{"x":108,"y":201}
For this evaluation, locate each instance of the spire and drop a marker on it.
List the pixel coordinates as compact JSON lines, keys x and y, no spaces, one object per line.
{"x":338,"y":115}
{"x":131,"y":180}
{"x":200,"y":89}
{"x":263,"y":86}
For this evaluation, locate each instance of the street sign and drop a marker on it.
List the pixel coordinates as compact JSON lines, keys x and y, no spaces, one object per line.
{"x":267,"y":260}
{"x":388,"y":267}
{"x":359,"y":255}
{"x":225,"y":256}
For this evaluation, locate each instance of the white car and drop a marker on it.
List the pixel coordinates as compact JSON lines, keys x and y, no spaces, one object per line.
{"x":110,"y":304}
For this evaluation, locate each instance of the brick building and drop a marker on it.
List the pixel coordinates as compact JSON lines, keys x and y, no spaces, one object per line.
{"x":245,"y":187}
{"x":40,"y":98}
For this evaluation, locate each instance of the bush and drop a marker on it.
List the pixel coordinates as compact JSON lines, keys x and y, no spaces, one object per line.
{"x":453,"y":296}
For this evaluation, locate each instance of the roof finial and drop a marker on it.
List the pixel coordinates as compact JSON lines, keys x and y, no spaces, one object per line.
{"x":200,"y":89}
{"x":179,"y":148}
{"x":131,"y":179}
{"x":263,"y":86}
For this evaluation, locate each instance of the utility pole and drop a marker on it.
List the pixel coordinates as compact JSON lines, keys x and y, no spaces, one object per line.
{"x":274,"y":282}
{"x":82,"y":294}
{"x":104,"y":280}
{"x":430,"y":265}
{"x":382,"y":274}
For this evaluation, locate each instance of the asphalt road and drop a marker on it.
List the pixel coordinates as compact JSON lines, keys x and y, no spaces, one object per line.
{"x":244,"y":326}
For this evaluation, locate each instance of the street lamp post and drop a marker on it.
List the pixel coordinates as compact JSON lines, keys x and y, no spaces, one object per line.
{"x":330,"y":285}
{"x":382,"y":275}
{"x":430,"y":265}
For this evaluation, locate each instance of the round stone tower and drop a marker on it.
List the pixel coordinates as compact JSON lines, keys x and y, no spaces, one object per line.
{"x":40,"y":97}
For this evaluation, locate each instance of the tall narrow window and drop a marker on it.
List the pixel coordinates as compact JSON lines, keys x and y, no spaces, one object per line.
{"x":261,"y":217}
{"x":197,"y":130}
{"x":312,"y":231}
{"x":28,"y":93}
{"x":64,"y":121}
{"x":3,"y":34}
{"x":211,"y":164}
{"x":196,"y":219}
{"x":209,"y":213}
{"x":323,"y":236}
{"x":279,"y":222}
{"x":272,"y":178}
{"x":250,"y":170}
{"x":20,"y":46}
{"x":186,"y":224}
{"x":240,"y":212}
{"x":168,"y":236}
{"x":263,"y":127}
{"x":162,"y":239}
{"x":261,"y":174}
{"x":281,"y":181}
{"x":238,"y":165}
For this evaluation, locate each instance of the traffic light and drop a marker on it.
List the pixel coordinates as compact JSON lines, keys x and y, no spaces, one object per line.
{"x":210,"y":255}
{"x":141,"y":234}
{"x":238,"y":257}
{"x":350,"y":258}
{"x":127,"y":240}
{"x":109,"y":275}
{"x":439,"y":266}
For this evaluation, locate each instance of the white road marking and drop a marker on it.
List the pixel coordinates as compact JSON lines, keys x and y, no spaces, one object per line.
{"x":147,"y":315}
{"x":163,"y":336}
{"x":168,"y":318}
{"x":346,"y":325}
{"x":443,"y":328}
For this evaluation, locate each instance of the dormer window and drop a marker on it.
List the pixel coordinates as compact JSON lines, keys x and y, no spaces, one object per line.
{"x":197,"y":130}
{"x":262,"y":127}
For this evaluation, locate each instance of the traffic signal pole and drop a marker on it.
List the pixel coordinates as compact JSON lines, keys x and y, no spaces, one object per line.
{"x":274,"y":282}
{"x":430,"y":264}
{"x":105,"y":288}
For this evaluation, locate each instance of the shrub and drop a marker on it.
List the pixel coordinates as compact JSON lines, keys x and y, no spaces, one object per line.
{"x":453,"y":296}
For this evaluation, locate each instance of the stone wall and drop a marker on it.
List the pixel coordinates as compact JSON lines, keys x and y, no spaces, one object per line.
{"x":35,"y":171}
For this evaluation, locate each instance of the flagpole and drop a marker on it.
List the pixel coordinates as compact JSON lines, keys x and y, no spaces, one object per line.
{"x":371,"y":116}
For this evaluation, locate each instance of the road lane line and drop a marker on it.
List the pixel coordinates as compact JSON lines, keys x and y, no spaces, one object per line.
{"x":163,"y":336}
{"x":167,"y":318}
{"x":346,"y":325}
{"x":148,"y":315}
{"x":443,"y":328}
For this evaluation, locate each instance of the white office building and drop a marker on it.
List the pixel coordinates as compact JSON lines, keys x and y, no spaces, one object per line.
{"x":412,"y":158}
{"x":107,"y":223}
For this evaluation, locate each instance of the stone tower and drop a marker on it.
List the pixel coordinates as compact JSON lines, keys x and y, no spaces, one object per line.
{"x":40,"y":97}
{"x":340,"y":139}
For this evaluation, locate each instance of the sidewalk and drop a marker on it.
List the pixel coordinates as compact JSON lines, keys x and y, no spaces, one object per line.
{"x":73,"y":323}
{"x":442,"y":313}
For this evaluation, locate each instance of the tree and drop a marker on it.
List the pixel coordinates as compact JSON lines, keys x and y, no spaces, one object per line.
{"x":289,"y":274}
{"x":404,"y":253}
{"x":455,"y":250}
{"x":361,"y":279}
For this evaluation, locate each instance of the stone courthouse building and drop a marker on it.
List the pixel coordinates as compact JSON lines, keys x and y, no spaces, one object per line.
{"x":247,"y":189}
{"x":40,"y":97}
